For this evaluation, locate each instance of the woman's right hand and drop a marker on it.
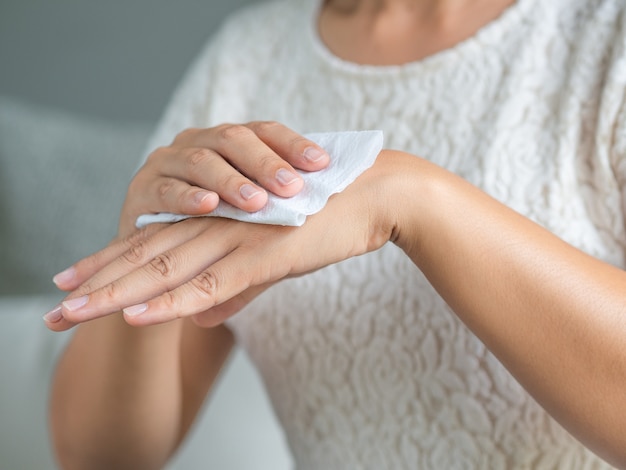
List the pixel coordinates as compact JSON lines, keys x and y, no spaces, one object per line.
{"x":237,"y":163}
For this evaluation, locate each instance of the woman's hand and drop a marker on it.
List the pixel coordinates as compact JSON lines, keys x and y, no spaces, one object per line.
{"x":214,"y":266}
{"x":236,"y":163}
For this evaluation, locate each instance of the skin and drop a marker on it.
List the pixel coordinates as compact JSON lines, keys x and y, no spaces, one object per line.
{"x":554,"y":316}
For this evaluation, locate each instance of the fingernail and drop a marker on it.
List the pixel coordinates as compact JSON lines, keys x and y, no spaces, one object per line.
{"x":313,"y":154}
{"x":200,"y":196}
{"x":75,"y":304}
{"x":64,"y":276}
{"x":135,"y":310}
{"x":248,"y":191}
{"x":53,"y":315}
{"x":286,"y":177}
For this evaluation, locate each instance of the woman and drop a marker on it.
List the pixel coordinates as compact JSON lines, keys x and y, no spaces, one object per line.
{"x":505,"y":349}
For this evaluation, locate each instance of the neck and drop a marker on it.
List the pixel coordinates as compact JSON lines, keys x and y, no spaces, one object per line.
{"x":391,"y":32}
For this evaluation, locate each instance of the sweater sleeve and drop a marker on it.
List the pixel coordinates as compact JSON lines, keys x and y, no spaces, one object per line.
{"x":617,"y":98}
{"x":189,"y":104}
{"x":618,"y":153}
{"x":221,"y":82}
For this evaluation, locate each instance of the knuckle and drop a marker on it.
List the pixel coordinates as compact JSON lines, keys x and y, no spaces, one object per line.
{"x":233,"y":131}
{"x":206,"y":285}
{"x":111,"y":291}
{"x":165,"y":188}
{"x":86,"y":287}
{"x":185,"y":135}
{"x":229,"y":180}
{"x":169,"y":302}
{"x":262,"y":127}
{"x":157,"y":153}
{"x":154,"y":160}
{"x":138,"y":236}
{"x":267,"y":161}
{"x":199,"y":156}
{"x":163,"y":265}
{"x":214,"y":131}
{"x":137,"y":253}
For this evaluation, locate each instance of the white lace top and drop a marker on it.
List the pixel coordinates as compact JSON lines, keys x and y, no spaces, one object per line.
{"x":366,"y":366}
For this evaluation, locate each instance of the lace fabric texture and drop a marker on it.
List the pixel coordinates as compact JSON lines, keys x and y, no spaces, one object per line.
{"x":366,"y":366}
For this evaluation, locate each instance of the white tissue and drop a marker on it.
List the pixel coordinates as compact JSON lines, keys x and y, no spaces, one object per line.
{"x":351,"y":153}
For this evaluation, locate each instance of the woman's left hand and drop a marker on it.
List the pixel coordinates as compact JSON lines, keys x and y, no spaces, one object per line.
{"x":192,"y":267}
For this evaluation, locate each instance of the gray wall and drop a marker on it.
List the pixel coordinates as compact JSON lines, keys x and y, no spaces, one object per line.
{"x":116,"y":59}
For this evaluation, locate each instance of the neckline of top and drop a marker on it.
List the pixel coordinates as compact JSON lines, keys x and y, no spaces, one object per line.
{"x":492,"y":31}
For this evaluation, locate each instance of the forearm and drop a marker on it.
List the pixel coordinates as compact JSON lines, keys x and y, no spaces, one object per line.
{"x":116,"y":399}
{"x":554,"y":316}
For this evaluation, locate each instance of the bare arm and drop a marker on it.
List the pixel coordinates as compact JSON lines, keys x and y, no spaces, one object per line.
{"x":124,"y":397}
{"x":554,"y":316}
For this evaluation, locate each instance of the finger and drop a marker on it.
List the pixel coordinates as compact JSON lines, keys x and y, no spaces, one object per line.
{"x":219,"y":313}
{"x":157,"y":265}
{"x":117,"y":253}
{"x":204,"y":168}
{"x":72,"y":277}
{"x":220,"y":282}
{"x":245,"y":150}
{"x":178,"y":196}
{"x":54,"y":320}
{"x":150,"y":192}
{"x":296,"y":149}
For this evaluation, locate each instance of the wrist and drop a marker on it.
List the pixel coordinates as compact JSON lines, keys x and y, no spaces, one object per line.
{"x":401,"y":197}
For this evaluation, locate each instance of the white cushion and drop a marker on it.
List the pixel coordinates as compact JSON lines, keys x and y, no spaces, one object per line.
{"x":63,"y":179}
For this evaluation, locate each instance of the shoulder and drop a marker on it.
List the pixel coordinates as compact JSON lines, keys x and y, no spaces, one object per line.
{"x":580,"y":19}
{"x":588,"y":37}
{"x":575,"y":20}
{"x":249,"y":38}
